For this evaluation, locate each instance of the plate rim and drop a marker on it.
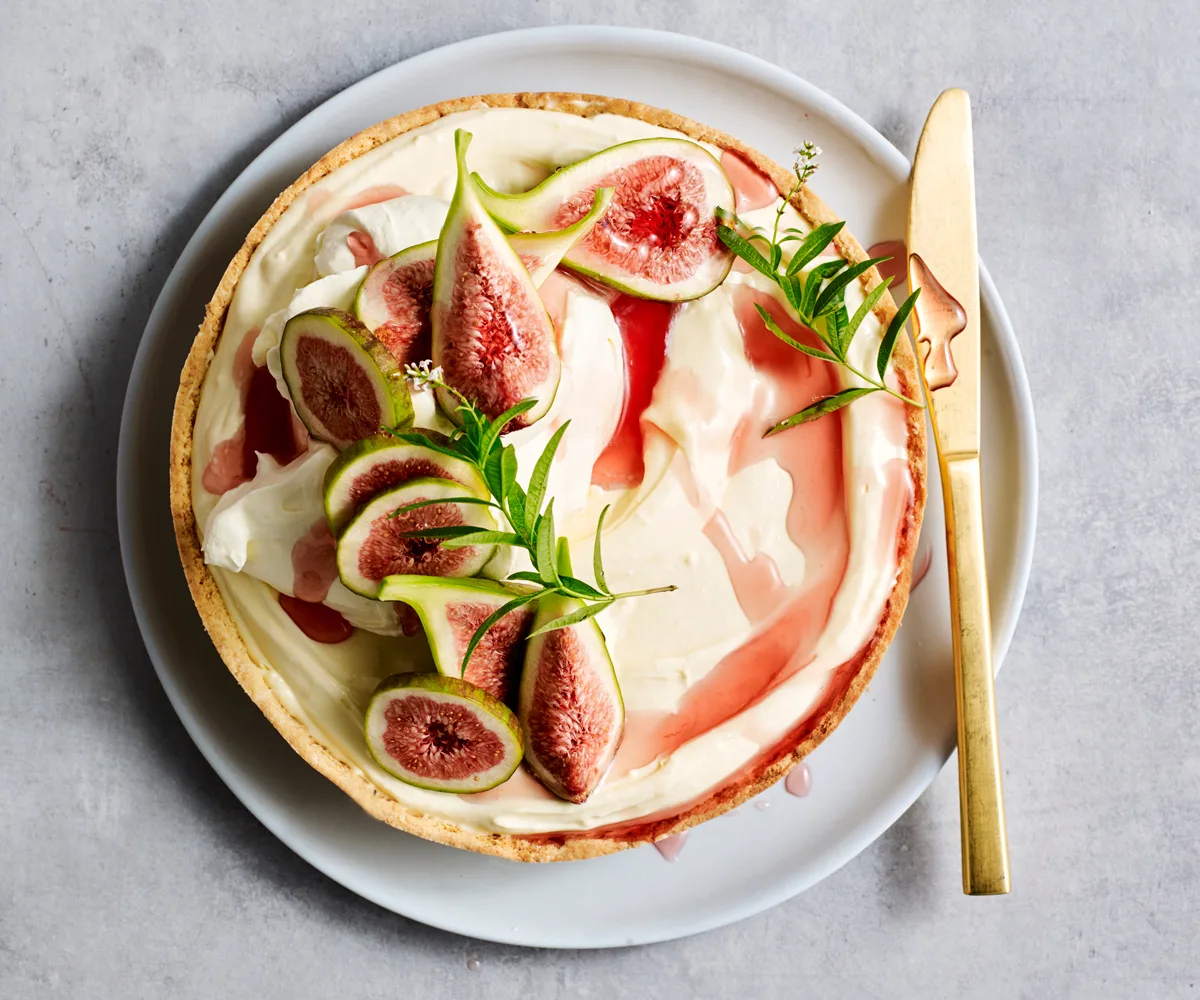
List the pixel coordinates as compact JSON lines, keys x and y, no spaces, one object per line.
{"x":666,"y":45}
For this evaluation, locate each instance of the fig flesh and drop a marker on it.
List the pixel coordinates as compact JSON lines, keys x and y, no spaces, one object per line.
{"x":658,"y":239}
{"x":377,"y":463}
{"x":394,"y":299}
{"x":541,"y":253}
{"x":344,"y":383}
{"x":451,"y":611}
{"x":570,"y":706}
{"x":492,"y":337}
{"x":372,"y":546}
{"x":442,"y":733}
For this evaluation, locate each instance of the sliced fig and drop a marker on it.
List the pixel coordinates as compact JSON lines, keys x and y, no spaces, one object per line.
{"x":451,"y":611}
{"x":658,"y":239}
{"x":394,"y":299}
{"x":570,"y":706}
{"x":442,"y":733}
{"x":343,"y":382}
{"x":377,"y":463}
{"x":541,"y":253}
{"x":492,"y":337}
{"x":372,"y":546}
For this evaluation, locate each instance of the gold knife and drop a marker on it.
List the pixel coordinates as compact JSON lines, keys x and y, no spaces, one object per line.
{"x":943,"y":262}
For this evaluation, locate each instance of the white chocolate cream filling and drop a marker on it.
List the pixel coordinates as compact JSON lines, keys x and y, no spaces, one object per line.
{"x":661,"y":645}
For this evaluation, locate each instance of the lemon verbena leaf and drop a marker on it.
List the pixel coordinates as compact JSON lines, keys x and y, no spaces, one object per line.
{"x":822,"y":407}
{"x":888,"y":343}
{"x":744,"y":250}
{"x":791,"y":341}
{"x":812,"y":245}
{"x":541,"y":473}
{"x":574,"y":618}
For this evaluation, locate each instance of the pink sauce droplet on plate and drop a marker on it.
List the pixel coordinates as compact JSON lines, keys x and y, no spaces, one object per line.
{"x":644,"y":325}
{"x":897,"y":267}
{"x":751,"y":187}
{"x":799,"y":780}
{"x":318,"y":622}
{"x":762,"y":805}
{"x":472,"y":965}
{"x":671,"y":847}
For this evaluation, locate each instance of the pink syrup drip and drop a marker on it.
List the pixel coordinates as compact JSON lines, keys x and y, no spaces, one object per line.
{"x":756,"y":582}
{"x":799,"y":780}
{"x":644,"y":326}
{"x":897,"y":267}
{"x":372,"y":196}
{"x":759,"y":588}
{"x":317,"y":621}
{"x":362,"y":246}
{"x":269,"y":426}
{"x":225,"y":468}
{"x":314,"y":563}
{"x":671,"y":847}
{"x":751,"y":187}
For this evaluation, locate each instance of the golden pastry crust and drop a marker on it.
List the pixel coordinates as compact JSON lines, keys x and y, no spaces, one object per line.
{"x":844,"y":690}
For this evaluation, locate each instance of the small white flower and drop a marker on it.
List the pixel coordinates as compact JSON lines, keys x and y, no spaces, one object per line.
{"x":423,"y":372}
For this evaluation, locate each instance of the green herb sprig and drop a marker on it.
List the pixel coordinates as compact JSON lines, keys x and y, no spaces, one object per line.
{"x":529,"y":513}
{"x":818,"y":296}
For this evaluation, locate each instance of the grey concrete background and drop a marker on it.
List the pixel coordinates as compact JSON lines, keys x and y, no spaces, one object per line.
{"x":128,"y":870}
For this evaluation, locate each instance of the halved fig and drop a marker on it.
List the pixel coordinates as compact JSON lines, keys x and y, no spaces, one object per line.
{"x":377,"y":463}
{"x":451,"y":611}
{"x":372,"y":546}
{"x":570,"y":706}
{"x":658,"y":239}
{"x":394,"y":299}
{"x":343,"y":382}
{"x":541,"y":253}
{"x":492,"y":337}
{"x":442,"y":733}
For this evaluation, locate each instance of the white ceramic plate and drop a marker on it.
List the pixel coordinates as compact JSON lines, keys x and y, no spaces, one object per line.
{"x":882,"y":757}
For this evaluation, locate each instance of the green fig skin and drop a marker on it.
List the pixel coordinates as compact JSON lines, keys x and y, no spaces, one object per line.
{"x":454,"y":709}
{"x":617,"y":253}
{"x":368,"y":549}
{"x":390,"y":462}
{"x":367,"y":369}
{"x":451,"y":610}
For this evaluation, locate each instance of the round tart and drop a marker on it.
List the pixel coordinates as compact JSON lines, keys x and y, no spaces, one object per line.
{"x":791,"y":554}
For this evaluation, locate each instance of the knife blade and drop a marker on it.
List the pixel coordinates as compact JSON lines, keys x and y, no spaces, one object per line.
{"x":944,"y":264}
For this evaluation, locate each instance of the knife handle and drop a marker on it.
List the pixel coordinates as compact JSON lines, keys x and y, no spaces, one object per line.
{"x":981,"y":797}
